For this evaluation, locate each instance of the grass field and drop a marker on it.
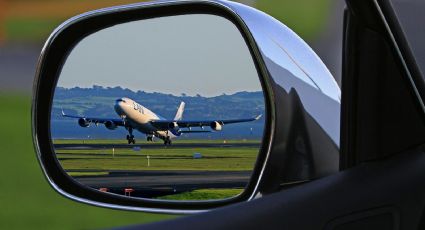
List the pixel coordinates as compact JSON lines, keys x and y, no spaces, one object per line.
{"x":212,"y":194}
{"x":306,"y":17}
{"x":213,"y":159}
{"x":27,"y":201}
{"x":100,"y":162}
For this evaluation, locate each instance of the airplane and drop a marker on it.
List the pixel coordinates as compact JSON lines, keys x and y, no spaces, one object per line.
{"x":134,"y":116}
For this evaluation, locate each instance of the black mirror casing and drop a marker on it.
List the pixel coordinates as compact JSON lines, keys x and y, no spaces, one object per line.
{"x":301,"y":137}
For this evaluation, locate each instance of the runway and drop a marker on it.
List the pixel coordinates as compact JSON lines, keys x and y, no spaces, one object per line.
{"x":159,"y":183}
{"x":83,"y":146}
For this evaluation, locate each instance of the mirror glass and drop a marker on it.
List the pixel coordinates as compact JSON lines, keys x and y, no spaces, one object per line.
{"x":165,"y":108}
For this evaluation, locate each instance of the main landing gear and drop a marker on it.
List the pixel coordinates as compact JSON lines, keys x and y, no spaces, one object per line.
{"x":167,"y":141}
{"x":149,"y":138}
{"x":130,"y":138}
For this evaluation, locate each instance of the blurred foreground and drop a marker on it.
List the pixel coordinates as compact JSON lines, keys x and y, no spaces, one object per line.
{"x":27,"y":201}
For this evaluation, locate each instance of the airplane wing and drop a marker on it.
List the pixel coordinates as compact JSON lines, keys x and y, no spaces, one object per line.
{"x":167,"y":124}
{"x":87,"y":120}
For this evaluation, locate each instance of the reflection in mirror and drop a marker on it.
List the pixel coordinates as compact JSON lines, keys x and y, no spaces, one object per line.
{"x":164,"y":108}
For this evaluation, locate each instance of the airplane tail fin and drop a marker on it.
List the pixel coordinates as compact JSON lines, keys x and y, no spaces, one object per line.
{"x":179,"y":114}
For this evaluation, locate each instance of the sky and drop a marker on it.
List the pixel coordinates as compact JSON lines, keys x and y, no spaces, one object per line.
{"x":191,"y":54}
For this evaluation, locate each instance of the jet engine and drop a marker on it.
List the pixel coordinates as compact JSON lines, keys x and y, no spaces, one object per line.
{"x":173,"y":126}
{"x":110,"y":125}
{"x":216,"y":126}
{"x":83,"y":122}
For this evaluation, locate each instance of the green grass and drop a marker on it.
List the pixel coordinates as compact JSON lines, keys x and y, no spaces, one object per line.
{"x":27,"y":201}
{"x":204,"y":194}
{"x":213,"y":159}
{"x":306,"y":17}
{"x":88,"y":173}
{"x":29,"y":29}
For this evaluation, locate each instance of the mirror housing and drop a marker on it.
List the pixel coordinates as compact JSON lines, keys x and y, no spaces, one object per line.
{"x":301,"y":138}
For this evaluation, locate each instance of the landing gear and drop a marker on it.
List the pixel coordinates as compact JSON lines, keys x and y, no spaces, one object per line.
{"x":167,"y":141}
{"x":130,"y":138}
{"x":149,"y":138}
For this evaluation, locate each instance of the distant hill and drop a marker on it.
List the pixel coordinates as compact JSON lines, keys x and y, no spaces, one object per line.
{"x":99,"y":101}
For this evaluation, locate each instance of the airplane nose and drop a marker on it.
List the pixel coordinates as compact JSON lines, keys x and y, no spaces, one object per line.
{"x":119,"y":104}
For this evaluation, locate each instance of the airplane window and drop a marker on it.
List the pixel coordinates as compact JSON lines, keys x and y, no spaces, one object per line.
{"x":192,"y":121}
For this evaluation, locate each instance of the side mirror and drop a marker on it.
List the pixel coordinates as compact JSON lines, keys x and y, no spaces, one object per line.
{"x":252,"y":107}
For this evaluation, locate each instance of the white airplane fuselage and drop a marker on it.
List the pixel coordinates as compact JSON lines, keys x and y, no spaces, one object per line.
{"x":139,"y":117}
